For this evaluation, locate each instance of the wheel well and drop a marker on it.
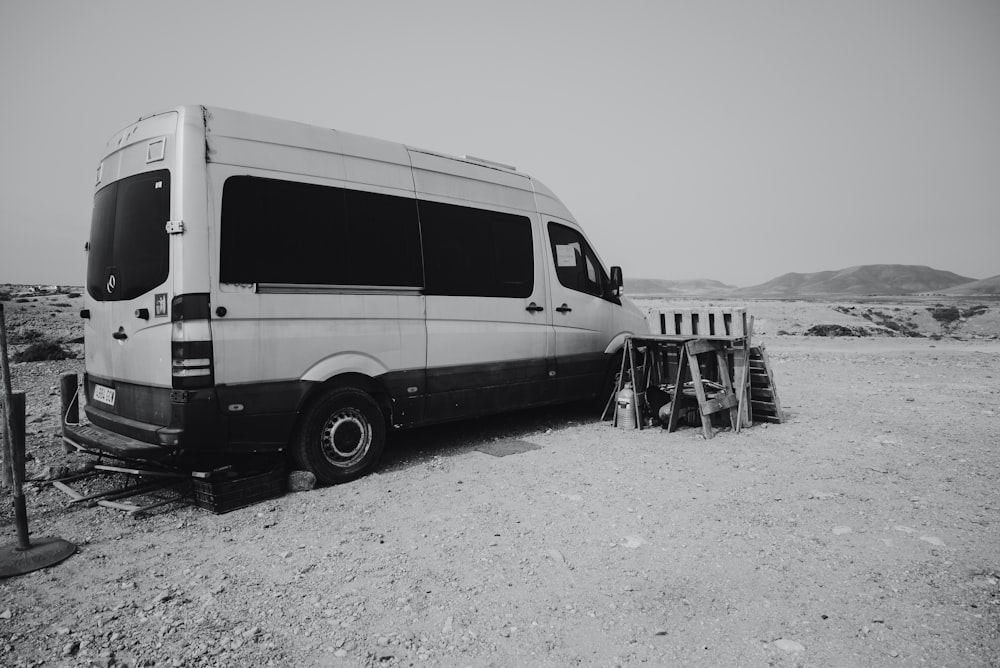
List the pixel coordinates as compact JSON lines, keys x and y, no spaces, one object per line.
{"x":356,"y":381}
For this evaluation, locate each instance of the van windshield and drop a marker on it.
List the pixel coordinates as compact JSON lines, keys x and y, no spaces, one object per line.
{"x":129,"y":246}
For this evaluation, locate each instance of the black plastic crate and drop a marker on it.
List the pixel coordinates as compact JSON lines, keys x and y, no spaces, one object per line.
{"x":223,"y":491}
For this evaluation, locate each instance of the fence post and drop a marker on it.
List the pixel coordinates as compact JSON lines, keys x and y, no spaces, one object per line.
{"x":17,"y":423}
{"x":22,"y":557}
{"x":6,"y":418}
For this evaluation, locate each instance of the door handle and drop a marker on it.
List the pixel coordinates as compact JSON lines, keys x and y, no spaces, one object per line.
{"x":534,"y":308}
{"x":120,"y":334}
{"x":564,"y":309}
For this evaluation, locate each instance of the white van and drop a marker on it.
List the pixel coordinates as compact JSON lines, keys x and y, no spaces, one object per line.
{"x":257,"y":285}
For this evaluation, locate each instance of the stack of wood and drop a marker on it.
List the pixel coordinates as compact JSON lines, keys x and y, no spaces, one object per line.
{"x":702,"y":356}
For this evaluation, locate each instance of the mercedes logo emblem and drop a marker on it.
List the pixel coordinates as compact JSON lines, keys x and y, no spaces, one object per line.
{"x":111,"y":283}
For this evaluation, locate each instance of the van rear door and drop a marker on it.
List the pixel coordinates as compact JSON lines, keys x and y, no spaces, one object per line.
{"x":127,"y":338}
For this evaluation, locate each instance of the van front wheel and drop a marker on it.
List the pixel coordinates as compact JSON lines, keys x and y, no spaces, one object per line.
{"x":341,"y":436}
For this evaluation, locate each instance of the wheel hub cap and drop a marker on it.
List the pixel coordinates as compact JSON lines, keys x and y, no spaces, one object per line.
{"x":346,"y":437}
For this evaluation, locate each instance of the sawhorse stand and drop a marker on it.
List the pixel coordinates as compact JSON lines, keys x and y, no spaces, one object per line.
{"x":654,"y":361}
{"x":724,"y":399}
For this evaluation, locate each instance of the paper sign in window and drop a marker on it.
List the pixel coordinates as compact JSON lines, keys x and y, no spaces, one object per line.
{"x":566,"y":255}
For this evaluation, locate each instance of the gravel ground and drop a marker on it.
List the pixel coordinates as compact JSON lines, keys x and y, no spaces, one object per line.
{"x":864,"y":531}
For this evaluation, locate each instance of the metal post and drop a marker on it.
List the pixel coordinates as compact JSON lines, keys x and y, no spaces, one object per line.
{"x":7,"y":472}
{"x":17,"y":424}
{"x":22,"y":557}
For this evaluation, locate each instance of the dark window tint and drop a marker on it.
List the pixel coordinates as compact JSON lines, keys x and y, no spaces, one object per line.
{"x":576,"y":265}
{"x":383,"y":239}
{"x":129,"y":245}
{"x":286,"y":232}
{"x":474,"y":252}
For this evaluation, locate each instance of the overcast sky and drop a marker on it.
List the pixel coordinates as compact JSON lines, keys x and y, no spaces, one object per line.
{"x":730,"y":140}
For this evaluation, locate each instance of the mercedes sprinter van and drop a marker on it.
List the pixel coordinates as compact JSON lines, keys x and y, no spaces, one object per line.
{"x":261,"y":286}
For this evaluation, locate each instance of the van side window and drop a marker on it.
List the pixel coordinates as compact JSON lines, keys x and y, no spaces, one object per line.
{"x":476,"y":252}
{"x":576,"y":265}
{"x":300,"y":233}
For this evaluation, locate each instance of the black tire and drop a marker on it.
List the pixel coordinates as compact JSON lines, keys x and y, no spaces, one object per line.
{"x":340,"y":437}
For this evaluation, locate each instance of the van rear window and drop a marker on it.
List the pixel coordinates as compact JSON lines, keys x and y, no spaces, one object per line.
{"x":287,"y":232}
{"x":129,"y":245}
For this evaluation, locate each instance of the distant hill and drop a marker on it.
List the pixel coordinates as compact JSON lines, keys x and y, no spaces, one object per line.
{"x":987,"y":286}
{"x":870,"y":279}
{"x":691,"y":288}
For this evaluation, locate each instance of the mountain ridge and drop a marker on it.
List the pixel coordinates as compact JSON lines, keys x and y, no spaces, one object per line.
{"x":858,"y":280}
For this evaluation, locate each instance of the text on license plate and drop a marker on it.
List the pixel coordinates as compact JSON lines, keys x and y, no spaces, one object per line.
{"x":105,"y":395}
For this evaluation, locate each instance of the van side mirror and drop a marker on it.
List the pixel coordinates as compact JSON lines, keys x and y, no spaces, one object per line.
{"x":617,"y":282}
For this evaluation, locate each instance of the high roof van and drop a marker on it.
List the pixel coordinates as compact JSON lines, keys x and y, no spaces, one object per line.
{"x":262,"y":286}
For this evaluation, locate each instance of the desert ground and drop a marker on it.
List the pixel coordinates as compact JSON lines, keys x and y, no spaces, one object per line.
{"x":862,"y":531}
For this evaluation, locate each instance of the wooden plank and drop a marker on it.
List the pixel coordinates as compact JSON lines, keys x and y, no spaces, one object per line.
{"x":701,"y":346}
{"x":140,"y":472}
{"x":130,"y":507}
{"x":720,"y":402}
{"x":704,"y":323}
{"x":667,"y":322}
{"x":742,"y":358}
{"x":686,"y":326}
{"x":72,"y":493}
{"x":738,"y":326}
{"x":121,"y":492}
{"x":699,"y":390}
{"x":646,"y":373}
{"x":724,"y":379}
{"x":635,"y":384}
{"x":180,"y":498}
{"x":675,"y":406}
{"x":763,"y":407}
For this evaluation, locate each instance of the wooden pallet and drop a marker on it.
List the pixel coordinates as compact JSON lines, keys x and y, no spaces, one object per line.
{"x":717,"y":321}
{"x":764,"y":403}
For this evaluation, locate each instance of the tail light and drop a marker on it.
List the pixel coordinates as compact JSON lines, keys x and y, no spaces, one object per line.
{"x":192,"y":359}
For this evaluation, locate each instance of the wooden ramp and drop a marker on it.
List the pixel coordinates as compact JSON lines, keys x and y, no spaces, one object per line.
{"x":764,"y":403}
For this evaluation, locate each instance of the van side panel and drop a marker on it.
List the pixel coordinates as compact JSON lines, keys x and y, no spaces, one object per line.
{"x":484,"y":353}
{"x":279,"y":344}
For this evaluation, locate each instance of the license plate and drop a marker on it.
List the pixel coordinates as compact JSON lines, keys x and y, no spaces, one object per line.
{"x":105,"y":395}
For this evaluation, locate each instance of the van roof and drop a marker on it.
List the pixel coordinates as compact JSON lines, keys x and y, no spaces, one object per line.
{"x":231,"y":123}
